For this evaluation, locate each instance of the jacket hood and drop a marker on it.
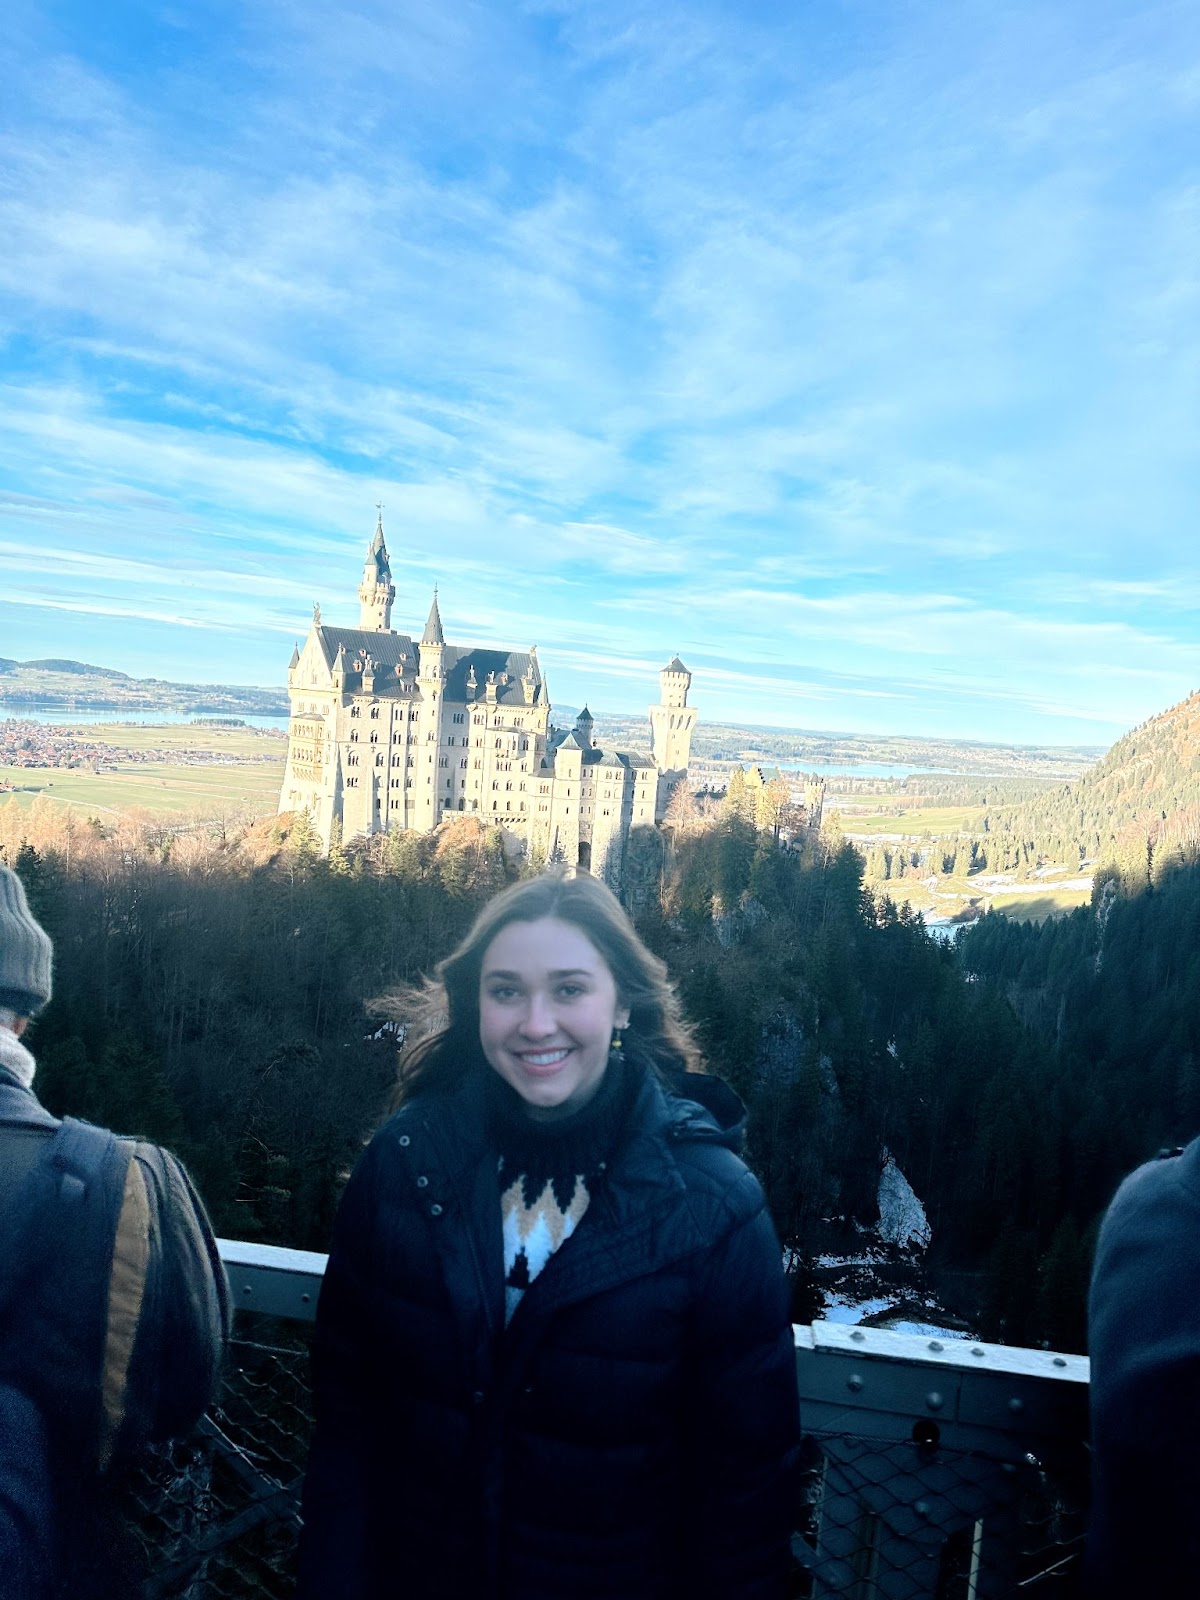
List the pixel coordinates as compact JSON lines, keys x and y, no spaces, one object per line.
{"x":704,"y":1110}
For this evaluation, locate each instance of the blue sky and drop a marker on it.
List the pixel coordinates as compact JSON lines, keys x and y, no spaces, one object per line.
{"x":851,"y":351}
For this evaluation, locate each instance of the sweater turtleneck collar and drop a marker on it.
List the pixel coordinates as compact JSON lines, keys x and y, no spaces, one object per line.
{"x":15,"y":1058}
{"x":580,"y":1139}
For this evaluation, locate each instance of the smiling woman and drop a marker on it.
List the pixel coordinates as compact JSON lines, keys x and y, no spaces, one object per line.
{"x":553,"y":1355}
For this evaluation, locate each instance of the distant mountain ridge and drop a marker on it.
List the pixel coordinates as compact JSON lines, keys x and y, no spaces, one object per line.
{"x":58,"y":684}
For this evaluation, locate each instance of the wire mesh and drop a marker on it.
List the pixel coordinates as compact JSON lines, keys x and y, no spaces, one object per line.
{"x":913,"y":1520}
{"x":217,"y":1515}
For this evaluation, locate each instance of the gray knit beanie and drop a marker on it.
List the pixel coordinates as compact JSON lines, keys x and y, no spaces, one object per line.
{"x":25,"y":951}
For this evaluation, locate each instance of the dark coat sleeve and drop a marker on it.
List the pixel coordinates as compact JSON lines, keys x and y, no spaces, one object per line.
{"x":29,"y":1530}
{"x":185,"y":1321}
{"x":743,"y":1417}
{"x":1144,"y":1340}
{"x":333,"y":1544}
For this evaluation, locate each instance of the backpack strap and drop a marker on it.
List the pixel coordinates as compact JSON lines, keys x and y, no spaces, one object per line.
{"x":55,"y":1282}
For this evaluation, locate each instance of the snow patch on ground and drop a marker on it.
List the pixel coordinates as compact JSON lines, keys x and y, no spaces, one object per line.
{"x":839,"y":1309}
{"x":902,"y":1219}
{"x":866,"y":1258}
{"x":924,"y":1330}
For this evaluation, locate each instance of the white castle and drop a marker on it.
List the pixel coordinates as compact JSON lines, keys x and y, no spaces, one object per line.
{"x":386,"y":734}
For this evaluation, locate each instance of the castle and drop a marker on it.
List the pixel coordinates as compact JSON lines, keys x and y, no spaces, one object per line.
{"x":386,"y":734}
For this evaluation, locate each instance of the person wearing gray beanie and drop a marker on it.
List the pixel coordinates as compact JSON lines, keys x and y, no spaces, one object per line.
{"x":26,"y":953}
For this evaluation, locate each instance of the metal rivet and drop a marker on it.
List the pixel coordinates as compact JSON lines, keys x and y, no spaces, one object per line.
{"x":1016,"y":1405}
{"x":934,"y":1400}
{"x":978,"y":1350}
{"x":405,"y":1140}
{"x":304,"y":1299}
{"x":246,"y":1289}
{"x":922,"y":1508}
{"x":1060,"y":1361}
{"x":857,"y":1335}
{"x":422,"y":1182}
{"x":435,"y":1211}
{"x":854,"y":1383}
{"x":934,"y":1344}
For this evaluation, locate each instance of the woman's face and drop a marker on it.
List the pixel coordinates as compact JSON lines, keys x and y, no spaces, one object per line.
{"x":548,"y":1005}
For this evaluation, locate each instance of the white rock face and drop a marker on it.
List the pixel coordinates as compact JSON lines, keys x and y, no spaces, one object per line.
{"x":902,"y":1219}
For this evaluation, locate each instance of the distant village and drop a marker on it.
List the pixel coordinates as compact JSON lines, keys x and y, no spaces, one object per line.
{"x":38,"y":744}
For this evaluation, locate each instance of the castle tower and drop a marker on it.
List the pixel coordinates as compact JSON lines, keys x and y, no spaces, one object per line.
{"x":431,"y":682}
{"x":671,"y":723}
{"x":376,"y":591}
{"x":584,"y":723}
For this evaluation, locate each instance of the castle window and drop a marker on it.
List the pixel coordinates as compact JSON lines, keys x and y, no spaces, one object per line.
{"x":352,"y":783}
{"x":495,"y":783}
{"x":379,"y":759}
{"x":375,"y":713}
{"x":374,"y":736}
{"x":396,"y":760}
{"x":478,"y":762}
{"x":443,"y":761}
{"x":460,"y":716}
{"x":508,"y":786}
{"x":408,"y":761}
{"x":477,"y":720}
{"x":354,"y":736}
{"x":353,"y":711}
{"x":449,"y":782}
{"x":463,"y":761}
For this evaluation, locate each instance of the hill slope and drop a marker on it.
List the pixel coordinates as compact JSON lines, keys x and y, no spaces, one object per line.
{"x":1143,"y":795}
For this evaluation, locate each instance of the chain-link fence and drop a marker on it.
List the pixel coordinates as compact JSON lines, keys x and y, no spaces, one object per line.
{"x":888,"y":1508}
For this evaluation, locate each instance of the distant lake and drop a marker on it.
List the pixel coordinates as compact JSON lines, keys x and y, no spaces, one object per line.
{"x":868,"y":769}
{"x":57,"y":717}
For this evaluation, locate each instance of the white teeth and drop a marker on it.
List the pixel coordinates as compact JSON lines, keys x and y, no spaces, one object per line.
{"x":548,"y":1059}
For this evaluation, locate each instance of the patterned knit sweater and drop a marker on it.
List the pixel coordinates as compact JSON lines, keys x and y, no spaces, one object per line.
{"x":548,"y":1172}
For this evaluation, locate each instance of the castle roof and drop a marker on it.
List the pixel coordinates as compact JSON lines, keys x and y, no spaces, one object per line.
{"x":396,"y":655}
{"x":377,"y":564}
{"x":675,"y":665}
{"x":433,"y":628}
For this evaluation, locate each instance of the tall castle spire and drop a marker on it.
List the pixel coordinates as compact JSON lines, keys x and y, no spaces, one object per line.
{"x":376,"y":591}
{"x":433,"y":628}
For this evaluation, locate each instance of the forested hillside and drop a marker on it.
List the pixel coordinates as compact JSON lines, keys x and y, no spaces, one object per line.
{"x":212,"y":992}
{"x":1143,"y":796}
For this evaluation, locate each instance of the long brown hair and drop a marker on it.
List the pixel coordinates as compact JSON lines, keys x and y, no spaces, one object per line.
{"x":441,"y":1016}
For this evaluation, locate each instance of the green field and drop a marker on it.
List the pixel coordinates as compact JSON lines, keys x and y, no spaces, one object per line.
{"x":909,"y":822}
{"x":208,"y":789}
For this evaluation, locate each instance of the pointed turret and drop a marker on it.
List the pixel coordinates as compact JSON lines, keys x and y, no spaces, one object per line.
{"x":583,"y":728}
{"x":376,"y":591}
{"x":295,"y":661}
{"x":433,"y":628}
{"x":432,"y":648}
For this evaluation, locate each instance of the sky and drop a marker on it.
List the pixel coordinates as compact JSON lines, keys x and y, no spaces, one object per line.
{"x":849,"y":350}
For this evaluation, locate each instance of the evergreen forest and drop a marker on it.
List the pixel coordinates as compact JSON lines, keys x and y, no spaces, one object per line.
{"x":213,"y":991}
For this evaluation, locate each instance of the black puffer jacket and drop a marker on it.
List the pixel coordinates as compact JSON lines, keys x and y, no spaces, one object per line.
{"x":1144,"y":1339}
{"x":628,"y":1437}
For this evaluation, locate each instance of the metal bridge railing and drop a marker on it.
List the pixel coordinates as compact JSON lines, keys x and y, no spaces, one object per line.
{"x":933,"y":1470}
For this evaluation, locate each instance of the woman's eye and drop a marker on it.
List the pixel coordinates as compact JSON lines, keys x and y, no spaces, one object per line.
{"x":502,"y":991}
{"x":570,"y":990}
